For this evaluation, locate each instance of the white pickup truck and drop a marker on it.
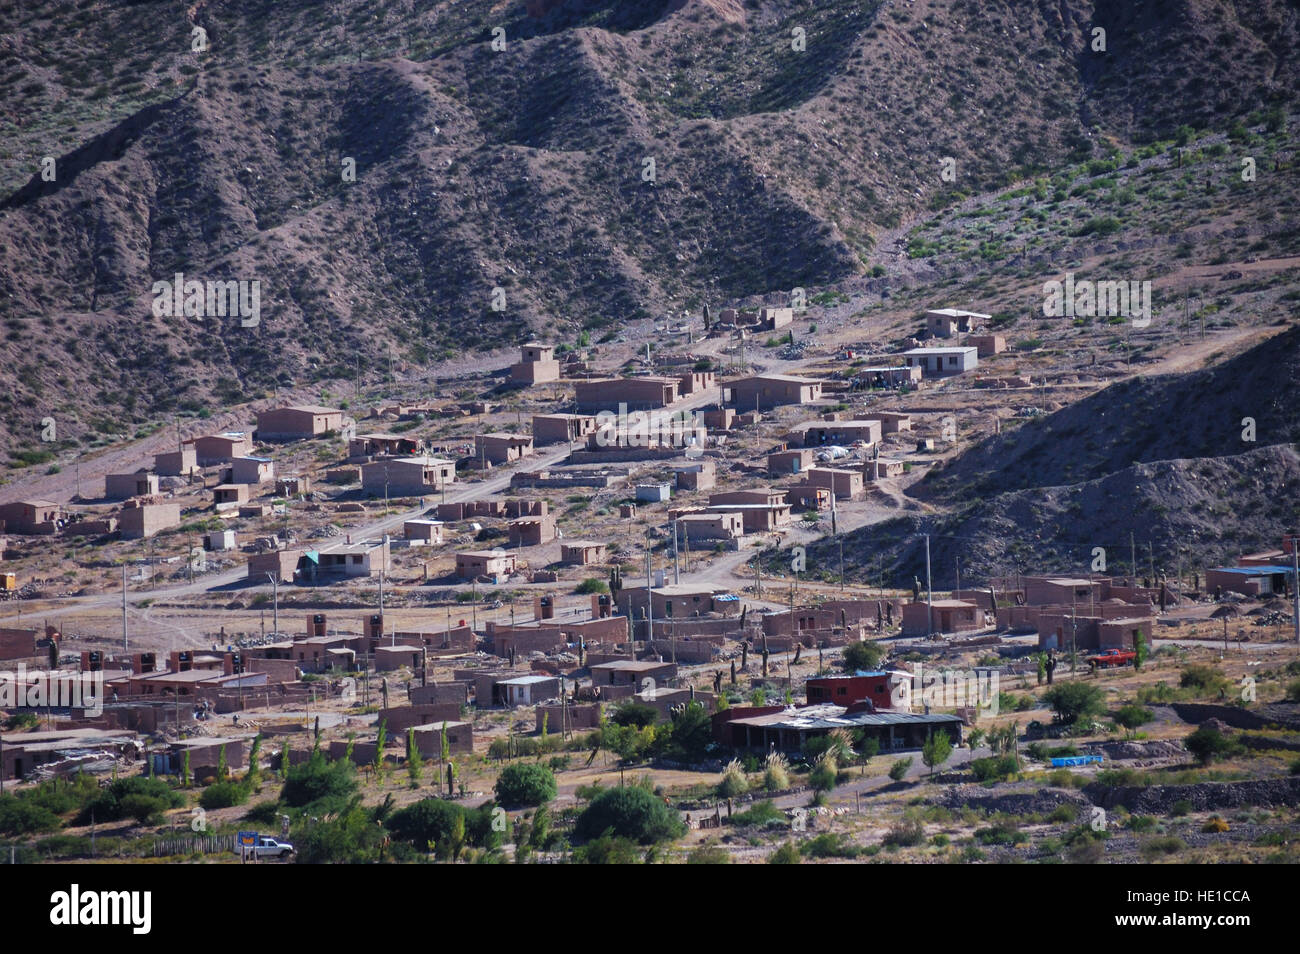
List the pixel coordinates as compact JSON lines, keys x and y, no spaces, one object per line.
{"x":268,"y":847}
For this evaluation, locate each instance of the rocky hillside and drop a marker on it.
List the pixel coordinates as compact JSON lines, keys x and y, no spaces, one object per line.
{"x":1207,"y":510}
{"x":598,"y":162}
{"x":1244,"y":402}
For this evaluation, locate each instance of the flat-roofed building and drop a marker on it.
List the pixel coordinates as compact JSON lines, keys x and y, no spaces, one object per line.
{"x":764,"y":391}
{"x":407,"y":476}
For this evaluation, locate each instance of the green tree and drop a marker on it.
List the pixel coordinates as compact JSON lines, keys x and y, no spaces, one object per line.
{"x":1140,"y":651}
{"x":445,"y":744}
{"x":1073,"y":701}
{"x":1208,"y":743}
{"x":185,"y":769}
{"x":936,"y":750}
{"x":222,"y":768}
{"x":414,"y":764}
{"x":254,"y":773}
{"x":787,"y":854}
{"x":284,"y":761}
{"x":525,"y":783}
{"x":380,"y":741}
{"x":1132,"y":717}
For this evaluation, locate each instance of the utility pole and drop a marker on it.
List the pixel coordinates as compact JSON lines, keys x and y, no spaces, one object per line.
{"x":125,"y":647}
{"x":929,"y":592}
{"x":381,"y":610}
{"x":275,"y":608}
{"x":1295,"y":586}
{"x":649,"y":597}
{"x":677,"y":576}
{"x":1133,"y":557}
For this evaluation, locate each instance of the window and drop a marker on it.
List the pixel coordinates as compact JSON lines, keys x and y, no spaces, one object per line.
{"x":952,"y":360}
{"x":842,"y":691}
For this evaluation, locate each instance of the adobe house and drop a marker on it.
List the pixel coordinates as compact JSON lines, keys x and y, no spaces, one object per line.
{"x":218,"y":540}
{"x":351,"y":559}
{"x":383,"y":445}
{"x":525,"y":690}
{"x":763,"y":496}
{"x":298,"y":422}
{"x":942,"y":362}
{"x":702,"y":475}
{"x":697,"y":382}
{"x":774,"y":319}
{"x":226,"y":496}
{"x":557,"y":719}
{"x":638,"y":394}
{"x":946,"y":322}
{"x":653,"y":493}
{"x":764,"y":728}
{"x":526,"y":507}
{"x":950,"y":616}
{"x":389,"y":658}
{"x":583,"y":552}
{"x":425,"y":531}
{"x":561,"y":428}
{"x":808,"y":497}
{"x":1044,"y":591}
{"x":680,"y":601}
{"x":283,"y":565}
{"x":536,"y":365}
{"x":218,"y":448}
{"x":629,"y":672}
{"x":139,"y":519}
{"x":1249,"y":580}
{"x":292,"y":486}
{"x":886,"y":376}
{"x":891,"y":422}
{"x":725,"y":526}
{"x":718,"y":420}
{"x":471,"y":564}
{"x":881,"y":468}
{"x":531,"y":531}
{"x":501,"y":448}
{"x":784,"y":462}
{"x":249,"y":470}
{"x":764,"y":391}
{"x":459,"y":735}
{"x":407,"y":476}
{"x":845,"y":484}
{"x":817,"y":433}
{"x":757,"y":518}
{"x":34,"y":516}
{"x":181,"y":463}
{"x":124,"y":486}
{"x":987,"y":345}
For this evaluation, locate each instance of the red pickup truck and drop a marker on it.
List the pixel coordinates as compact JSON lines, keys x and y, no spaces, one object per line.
{"x":1112,"y":657}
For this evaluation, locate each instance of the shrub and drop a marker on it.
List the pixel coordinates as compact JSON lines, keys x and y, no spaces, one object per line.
{"x":830,"y":845}
{"x":905,"y":834}
{"x":733,"y":781}
{"x":111,"y":803}
{"x":1131,"y":717}
{"x":21,"y":816}
{"x":994,"y":768}
{"x":898,"y":771}
{"x":629,"y":812}
{"x":1160,"y":846}
{"x":1064,"y":813}
{"x":776,"y":774}
{"x":786,"y":854}
{"x":525,"y":783}
{"x":763,"y":813}
{"x":825,"y":774}
{"x":608,"y":850}
{"x":223,"y":795}
{"x":635,"y":714}
{"x":1202,"y":678}
{"x":1293,"y":691}
{"x":592,"y":585}
{"x":709,"y":854}
{"x":1215,"y":824}
{"x":864,"y":656}
{"x":319,"y":782}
